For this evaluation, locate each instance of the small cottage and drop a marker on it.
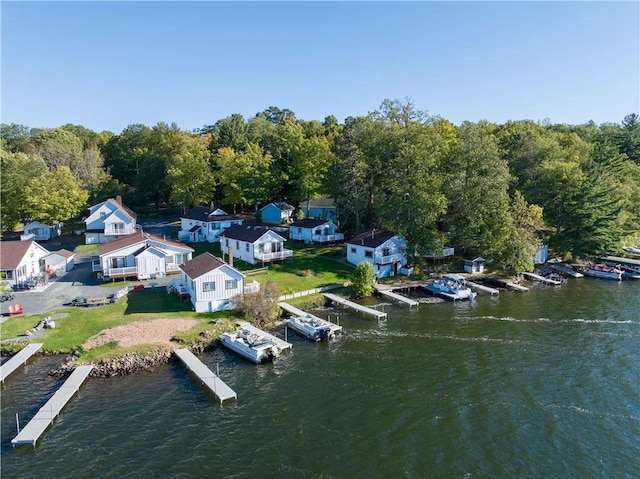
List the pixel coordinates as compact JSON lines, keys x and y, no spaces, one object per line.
{"x":211,"y":283}
{"x":254,"y":244}
{"x":202,"y":223}
{"x":38,"y":231}
{"x":277,"y":213}
{"x":320,"y":208}
{"x":385,"y":250}
{"x":314,"y":231}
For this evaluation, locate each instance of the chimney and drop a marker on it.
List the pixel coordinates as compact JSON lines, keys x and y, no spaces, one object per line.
{"x":119,"y":200}
{"x":231,"y":256}
{"x":372,"y":233}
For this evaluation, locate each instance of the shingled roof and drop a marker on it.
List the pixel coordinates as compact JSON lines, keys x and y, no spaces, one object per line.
{"x":201,"y":264}
{"x":309,"y":223}
{"x":12,"y":252}
{"x":249,"y":234}
{"x":371,"y":239}
{"x":137,"y":237}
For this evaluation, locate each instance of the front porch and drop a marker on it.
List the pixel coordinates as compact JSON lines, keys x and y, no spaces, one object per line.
{"x":274,"y":256}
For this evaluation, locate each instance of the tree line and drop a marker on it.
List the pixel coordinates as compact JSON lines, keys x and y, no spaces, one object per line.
{"x":498,"y":190}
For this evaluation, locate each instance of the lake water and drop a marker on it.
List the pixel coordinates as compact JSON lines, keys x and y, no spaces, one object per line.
{"x":542,"y":384}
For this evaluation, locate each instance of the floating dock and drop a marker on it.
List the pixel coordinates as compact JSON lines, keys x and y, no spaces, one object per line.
{"x":279,"y":342}
{"x":47,"y":413}
{"x":18,"y":360}
{"x":542,"y":279}
{"x":206,"y":376}
{"x":298,"y":312}
{"x":517,"y":287}
{"x":618,"y":259}
{"x":567,"y":270}
{"x":482,"y":287}
{"x":350,"y":304}
{"x":397,"y":297}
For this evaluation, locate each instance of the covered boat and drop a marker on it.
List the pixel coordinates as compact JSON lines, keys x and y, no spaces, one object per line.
{"x":252,"y":346}
{"x":603,"y":271}
{"x":312,"y":327}
{"x":451,"y":287}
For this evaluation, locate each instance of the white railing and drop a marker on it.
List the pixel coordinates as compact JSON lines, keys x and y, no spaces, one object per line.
{"x":119,"y":231}
{"x":128,"y":271}
{"x":253,"y":287}
{"x":285,"y":253}
{"x":393,"y":258}
{"x":172,"y":268}
{"x":327,"y":238}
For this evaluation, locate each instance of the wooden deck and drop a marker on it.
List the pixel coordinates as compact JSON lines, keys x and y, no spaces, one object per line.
{"x":206,"y":376}
{"x":397,"y":297}
{"x":618,"y":259}
{"x":516,"y":286}
{"x":542,"y":279}
{"x":18,"y":360}
{"x":482,"y":287}
{"x":279,"y":342}
{"x":358,"y":307}
{"x":569,"y":271}
{"x":47,"y":413}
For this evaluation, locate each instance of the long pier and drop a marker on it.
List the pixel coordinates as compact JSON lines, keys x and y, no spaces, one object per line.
{"x":542,"y":279}
{"x":618,"y":259}
{"x":279,"y":342}
{"x":206,"y":376}
{"x":350,"y":304}
{"x":18,"y":360}
{"x":47,"y":413}
{"x":397,"y":297}
{"x":516,"y":286}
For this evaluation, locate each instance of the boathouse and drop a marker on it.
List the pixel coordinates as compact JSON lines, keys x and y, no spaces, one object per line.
{"x":475,"y":265}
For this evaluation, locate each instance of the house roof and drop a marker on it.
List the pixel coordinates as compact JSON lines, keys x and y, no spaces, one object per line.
{"x":201,"y":264}
{"x":65,"y":253}
{"x":250,"y":234}
{"x":120,"y":207}
{"x":205,"y":213}
{"x":372,"y":239}
{"x":12,"y":252}
{"x":321,"y":202}
{"x":282,"y":206}
{"x":137,"y":237}
{"x":307,"y":223}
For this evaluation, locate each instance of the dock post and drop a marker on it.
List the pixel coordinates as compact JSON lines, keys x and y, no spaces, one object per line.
{"x":285,"y":332}
{"x":18,"y":423}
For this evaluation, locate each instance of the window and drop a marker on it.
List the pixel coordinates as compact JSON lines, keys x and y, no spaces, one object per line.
{"x":247,"y":247}
{"x":6,"y":274}
{"x":368,"y":254}
{"x":353,"y":250}
{"x":299,"y":230}
{"x":103,"y":215}
{"x":386,"y":251}
{"x":226,"y":241}
{"x":231,"y":284}
{"x":181,"y":258}
{"x":238,"y":245}
{"x":208,"y":286}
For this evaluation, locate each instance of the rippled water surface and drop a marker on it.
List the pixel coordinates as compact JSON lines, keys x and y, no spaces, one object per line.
{"x":540,"y":384}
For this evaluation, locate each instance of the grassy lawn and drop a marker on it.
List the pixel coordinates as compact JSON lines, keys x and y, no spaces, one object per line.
{"x":81,"y":324}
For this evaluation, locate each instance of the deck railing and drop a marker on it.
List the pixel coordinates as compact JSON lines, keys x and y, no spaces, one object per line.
{"x":277,"y":255}
{"x":252,"y":287}
{"x":327,"y":238}
{"x":128,"y":271}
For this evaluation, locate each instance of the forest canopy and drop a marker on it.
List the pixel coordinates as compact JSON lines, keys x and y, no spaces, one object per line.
{"x":498,"y":190}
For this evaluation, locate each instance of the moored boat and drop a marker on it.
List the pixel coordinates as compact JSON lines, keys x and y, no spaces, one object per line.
{"x":312,"y":327}
{"x":451,"y":287}
{"x":252,"y":346}
{"x":603,"y":271}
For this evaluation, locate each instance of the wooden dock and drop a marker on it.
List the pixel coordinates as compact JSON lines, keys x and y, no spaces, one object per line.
{"x":482,"y":287}
{"x":350,"y":304}
{"x":300,"y":313}
{"x":279,"y":342}
{"x":618,"y":259}
{"x":569,"y":271}
{"x":47,"y":413}
{"x":206,"y":376}
{"x":516,"y":286}
{"x":542,"y":279}
{"x":18,"y":360}
{"x":397,"y":297}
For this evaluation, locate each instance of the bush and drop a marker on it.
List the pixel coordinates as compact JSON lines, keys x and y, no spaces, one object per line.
{"x":362,"y":280}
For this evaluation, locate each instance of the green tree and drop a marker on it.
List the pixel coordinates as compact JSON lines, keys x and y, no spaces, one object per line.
{"x":18,"y":172}
{"x":362,"y":280}
{"x":261,"y":308}
{"x":55,"y":196}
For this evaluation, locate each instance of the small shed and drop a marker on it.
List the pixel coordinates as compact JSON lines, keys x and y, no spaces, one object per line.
{"x":276,"y":213}
{"x":475,"y":265}
{"x":59,"y":262}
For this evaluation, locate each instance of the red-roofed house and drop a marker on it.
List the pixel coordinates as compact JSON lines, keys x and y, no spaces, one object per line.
{"x":211,"y":283}
{"x":108,"y":221}
{"x":141,"y":255}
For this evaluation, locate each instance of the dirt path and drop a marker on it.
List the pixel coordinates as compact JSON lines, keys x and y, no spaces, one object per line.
{"x":156,"y":331}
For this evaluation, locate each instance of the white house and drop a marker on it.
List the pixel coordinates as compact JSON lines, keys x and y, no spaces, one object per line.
{"x":254,"y":244}
{"x":474,"y":265}
{"x":59,"y":262}
{"x":38,"y":231}
{"x":202,"y":223}
{"x":320,"y":208}
{"x":314,"y":231}
{"x":211,"y":283}
{"x":108,"y":221}
{"x":142,"y":256}
{"x":277,"y":213}
{"x":385,"y":250}
{"x":21,"y":261}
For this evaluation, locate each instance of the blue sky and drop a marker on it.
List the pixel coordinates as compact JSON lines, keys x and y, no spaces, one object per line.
{"x":108,"y":65}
